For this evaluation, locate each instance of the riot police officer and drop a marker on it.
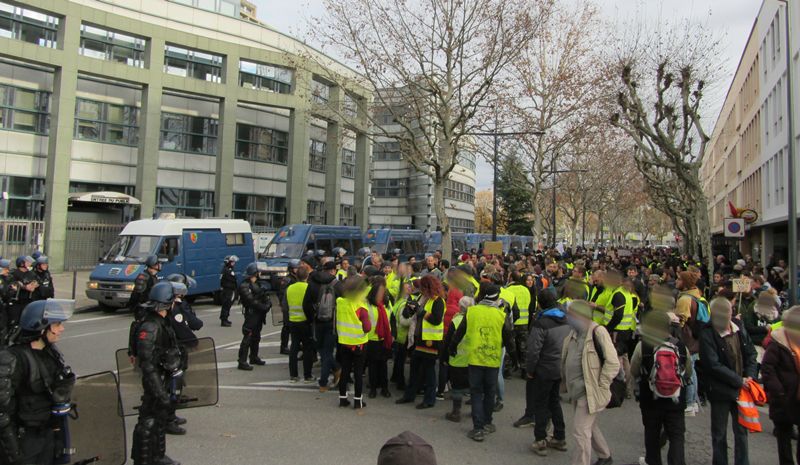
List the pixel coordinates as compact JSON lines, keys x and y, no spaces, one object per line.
{"x":227,"y":283}
{"x":159,"y":360}
{"x":25,"y":284}
{"x":36,"y":387}
{"x":45,"y":290}
{"x":255,"y":306}
{"x":7,"y":289}
{"x":294,"y":264}
{"x":145,"y":282}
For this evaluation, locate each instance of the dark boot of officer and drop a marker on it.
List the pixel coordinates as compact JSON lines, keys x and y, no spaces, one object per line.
{"x":244,"y":348}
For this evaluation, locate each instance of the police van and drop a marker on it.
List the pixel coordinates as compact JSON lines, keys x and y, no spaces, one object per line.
{"x":194,"y":247}
{"x":433,"y":242}
{"x":410,"y":242}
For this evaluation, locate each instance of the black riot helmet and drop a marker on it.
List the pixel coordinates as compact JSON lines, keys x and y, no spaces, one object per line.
{"x":151,"y":261}
{"x":251,"y":270}
{"x":39,"y":315}
{"x":162,"y":294}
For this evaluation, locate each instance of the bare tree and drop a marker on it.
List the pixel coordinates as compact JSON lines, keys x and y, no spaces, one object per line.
{"x":434,"y":65}
{"x":483,"y":213}
{"x":660,"y":108}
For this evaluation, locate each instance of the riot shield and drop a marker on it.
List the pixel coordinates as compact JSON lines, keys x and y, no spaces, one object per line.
{"x":199,"y":386}
{"x":96,"y":426}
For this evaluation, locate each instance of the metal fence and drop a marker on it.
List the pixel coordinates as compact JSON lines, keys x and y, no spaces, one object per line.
{"x":86,"y":242}
{"x":20,"y":237}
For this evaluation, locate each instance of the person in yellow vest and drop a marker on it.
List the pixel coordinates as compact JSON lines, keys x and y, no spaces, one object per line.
{"x":457,"y":372}
{"x":620,"y":321}
{"x":487,"y":330}
{"x":428,"y":324}
{"x":494,"y":275}
{"x":526,"y":306}
{"x":401,"y":325}
{"x":379,"y":347}
{"x":600,"y":296}
{"x":352,"y":328}
{"x":299,"y":329}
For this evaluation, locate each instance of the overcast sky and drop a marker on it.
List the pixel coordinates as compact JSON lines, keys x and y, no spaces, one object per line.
{"x":730,"y":19}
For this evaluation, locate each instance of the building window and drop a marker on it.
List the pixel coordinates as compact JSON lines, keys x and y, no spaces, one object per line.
{"x":193,"y":134}
{"x":25,"y":198}
{"x":262,"y":212}
{"x":185,"y":203}
{"x":28,"y":26}
{"x":225,"y":7}
{"x":316,"y":155}
{"x":348,"y":164}
{"x":467,"y":160}
{"x":390,"y":188}
{"x":320,"y":92}
{"x":112,"y":46}
{"x":350,"y":106}
{"x":106,"y":122}
{"x":24,"y":110}
{"x":316,"y":212}
{"x":192,"y":63}
{"x":265,"y":77}
{"x":386,"y":151}
{"x":261,"y":144}
{"x":458,"y":225}
{"x":457,"y":191}
{"x":347,"y":215}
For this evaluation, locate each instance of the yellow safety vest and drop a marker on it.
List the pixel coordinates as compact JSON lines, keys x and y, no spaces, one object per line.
{"x":432,"y":332}
{"x":461,"y":359}
{"x":294,"y":298}
{"x":393,"y":284}
{"x":348,"y":327}
{"x":522,"y":296}
{"x":341,"y":275}
{"x":603,"y":300}
{"x":485,"y":333}
{"x":628,"y":322}
{"x":475,"y":285}
{"x":373,"y":318}
{"x":402,"y":331}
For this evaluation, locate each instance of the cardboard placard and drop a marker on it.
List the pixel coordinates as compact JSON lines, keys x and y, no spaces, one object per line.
{"x":492,"y":248}
{"x":741,"y":285}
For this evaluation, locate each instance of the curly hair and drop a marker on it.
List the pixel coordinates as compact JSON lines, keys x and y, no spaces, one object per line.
{"x":431,"y":287}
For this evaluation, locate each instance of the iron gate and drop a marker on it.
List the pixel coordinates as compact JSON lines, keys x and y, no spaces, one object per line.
{"x":20,"y":237}
{"x":86,"y":242}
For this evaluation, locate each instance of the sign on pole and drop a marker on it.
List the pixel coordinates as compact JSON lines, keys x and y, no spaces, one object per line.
{"x":734,"y":227}
{"x":741,"y":285}
{"x":492,"y":248}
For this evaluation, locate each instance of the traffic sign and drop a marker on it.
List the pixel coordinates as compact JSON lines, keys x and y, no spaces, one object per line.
{"x":734,"y":227}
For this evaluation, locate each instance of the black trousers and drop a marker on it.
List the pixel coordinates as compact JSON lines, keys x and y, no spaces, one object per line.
{"x":301,"y":334}
{"x":521,"y":345}
{"x":227,"y":302}
{"x":37,"y":446}
{"x":673,"y":423}
{"x":352,"y":360}
{"x":251,"y":336}
{"x":720,"y":411}
{"x":399,"y":365}
{"x":378,"y":369}
{"x":783,"y":434}
{"x":548,"y":407}
{"x":149,"y":435}
{"x":530,"y":399}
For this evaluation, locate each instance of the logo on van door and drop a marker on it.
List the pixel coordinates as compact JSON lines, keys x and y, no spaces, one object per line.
{"x":131,"y":269}
{"x":193,"y":238}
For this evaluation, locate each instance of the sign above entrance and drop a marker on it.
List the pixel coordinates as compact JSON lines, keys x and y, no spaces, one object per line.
{"x":734,"y":227}
{"x":107,"y":197}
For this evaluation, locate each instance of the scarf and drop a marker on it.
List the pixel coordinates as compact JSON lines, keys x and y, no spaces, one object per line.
{"x":384,"y":328}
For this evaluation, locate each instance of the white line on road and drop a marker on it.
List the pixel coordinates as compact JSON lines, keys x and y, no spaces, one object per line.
{"x":270,"y":361}
{"x":91,"y":320}
{"x":75,"y":336}
{"x":311,"y":388}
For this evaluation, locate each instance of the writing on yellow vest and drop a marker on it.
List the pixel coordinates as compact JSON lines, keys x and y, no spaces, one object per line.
{"x":485,"y":333}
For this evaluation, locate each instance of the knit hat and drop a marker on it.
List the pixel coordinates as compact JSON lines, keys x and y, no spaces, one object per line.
{"x":406,"y":449}
{"x":689,"y":279}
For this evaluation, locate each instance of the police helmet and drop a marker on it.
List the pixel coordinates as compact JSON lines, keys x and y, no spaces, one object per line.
{"x":162,"y":293}
{"x":251,"y":270}
{"x":179,"y":289}
{"x":232,"y":258}
{"x":339,"y":252}
{"x":5,"y":263}
{"x":35,"y":255}
{"x":183,"y":279}
{"x":22,"y":260}
{"x":294,"y":263}
{"x":38,"y":315}
{"x":42,"y":260}
{"x":151,"y":261}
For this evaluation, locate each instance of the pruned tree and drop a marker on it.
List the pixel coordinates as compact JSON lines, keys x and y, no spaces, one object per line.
{"x":660,"y":108}
{"x":434,"y":65}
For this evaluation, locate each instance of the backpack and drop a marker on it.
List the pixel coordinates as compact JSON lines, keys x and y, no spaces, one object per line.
{"x":667,"y":374}
{"x":326,"y":303}
{"x":702,"y":315}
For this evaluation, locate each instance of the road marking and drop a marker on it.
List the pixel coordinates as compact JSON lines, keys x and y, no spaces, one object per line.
{"x":90,"y":320}
{"x":263,"y":344}
{"x":235,"y":343}
{"x":270,"y":361}
{"x":75,"y":336}
{"x":313,"y":388}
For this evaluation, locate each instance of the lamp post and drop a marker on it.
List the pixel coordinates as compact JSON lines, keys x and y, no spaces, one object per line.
{"x":791,"y":218}
{"x":553,"y":171}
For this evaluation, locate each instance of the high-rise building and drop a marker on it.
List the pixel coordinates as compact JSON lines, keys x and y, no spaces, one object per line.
{"x":248,"y":11}
{"x":177,"y":107}
{"x":745,"y":162}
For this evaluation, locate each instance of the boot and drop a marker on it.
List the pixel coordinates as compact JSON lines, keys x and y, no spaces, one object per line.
{"x":173,"y":429}
{"x":257,"y":361}
{"x":455,"y":415}
{"x":245,"y":366}
{"x":161,"y":440}
{"x":142,"y":451}
{"x":343,"y":402}
{"x":226,"y":324}
{"x":358,"y":403}
{"x":165,"y":460}
{"x":179,"y":420}
{"x":244,"y":347}
{"x":255,"y":342}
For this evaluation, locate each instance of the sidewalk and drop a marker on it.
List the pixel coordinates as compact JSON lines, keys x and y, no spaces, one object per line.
{"x":63,"y":283}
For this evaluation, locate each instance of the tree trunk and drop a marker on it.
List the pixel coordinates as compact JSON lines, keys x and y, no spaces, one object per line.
{"x":537,"y":221}
{"x":704,"y":230}
{"x":441,"y":218}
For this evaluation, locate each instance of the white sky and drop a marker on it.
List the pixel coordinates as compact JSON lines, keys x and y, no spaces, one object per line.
{"x":729,"y":19}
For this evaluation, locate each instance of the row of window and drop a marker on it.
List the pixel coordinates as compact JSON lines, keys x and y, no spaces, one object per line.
{"x":24,"y":109}
{"x":386,"y":151}
{"x":460,"y":225}
{"x":260,"y":210}
{"x":458,"y":191}
{"x":315,"y":212}
{"x":28,"y":25}
{"x":316,"y":155}
{"x":390,"y":188}
{"x":106,"y":122}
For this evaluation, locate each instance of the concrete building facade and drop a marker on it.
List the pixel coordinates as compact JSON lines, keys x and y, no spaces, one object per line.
{"x":746,"y":160}
{"x":190,"y":111}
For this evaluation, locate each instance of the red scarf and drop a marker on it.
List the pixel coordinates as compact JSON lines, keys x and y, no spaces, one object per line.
{"x":383,"y":329}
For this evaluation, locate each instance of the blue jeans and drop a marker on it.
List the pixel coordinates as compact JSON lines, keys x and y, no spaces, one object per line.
{"x":691,"y":389}
{"x":423,"y":370}
{"x":326,"y":341}
{"x":501,"y":382}
{"x":483,"y":386}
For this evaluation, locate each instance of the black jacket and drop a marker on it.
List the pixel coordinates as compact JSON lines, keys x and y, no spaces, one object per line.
{"x":718,"y":365}
{"x":545,"y":342}
{"x":46,"y":290}
{"x":184,"y":322}
{"x":781,"y":376}
{"x":316,"y":280}
{"x":227,"y":278}
{"x":158,"y":356}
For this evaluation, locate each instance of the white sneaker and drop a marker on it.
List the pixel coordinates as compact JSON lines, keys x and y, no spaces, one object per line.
{"x":691,"y":410}
{"x":294,"y":380}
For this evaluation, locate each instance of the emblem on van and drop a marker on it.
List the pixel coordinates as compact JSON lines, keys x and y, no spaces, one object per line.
{"x":193,"y":238}
{"x":131,"y":269}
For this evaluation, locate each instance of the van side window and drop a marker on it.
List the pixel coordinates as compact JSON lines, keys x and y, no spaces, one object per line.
{"x":343,"y":243}
{"x":169,"y":246}
{"x":234,"y":239}
{"x":357,"y":245}
{"x":324,"y":244}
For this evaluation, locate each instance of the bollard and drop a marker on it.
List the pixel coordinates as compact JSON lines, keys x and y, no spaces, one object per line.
{"x":74,"y":281}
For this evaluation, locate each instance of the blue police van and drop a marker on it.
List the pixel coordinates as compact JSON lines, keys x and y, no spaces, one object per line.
{"x":194,"y":247}
{"x":410,"y":242}
{"x":433,"y":243}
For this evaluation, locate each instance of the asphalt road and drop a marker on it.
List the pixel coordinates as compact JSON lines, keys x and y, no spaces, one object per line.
{"x":262,"y":419}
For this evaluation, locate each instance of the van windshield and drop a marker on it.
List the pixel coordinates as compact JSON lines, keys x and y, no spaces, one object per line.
{"x":132,"y":248}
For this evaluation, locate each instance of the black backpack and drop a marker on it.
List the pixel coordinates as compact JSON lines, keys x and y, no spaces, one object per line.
{"x":326,"y":303}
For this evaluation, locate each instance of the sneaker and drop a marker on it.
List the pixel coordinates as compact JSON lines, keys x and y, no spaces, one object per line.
{"x":524,"y":422}
{"x":477,"y":435}
{"x":691,"y":410}
{"x":324,"y":389}
{"x":424,"y":406}
{"x":498,"y":406}
{"x":605,"y":461}
{"x":540,"y":448}
{"x":294,"y":380}
{"x":454,"y":417}
{"x":439,"y":396}
{"x":245,"y":366}
{"x":309,"y":380}
{"x":490,"y":428}
{"x":557,"y":444}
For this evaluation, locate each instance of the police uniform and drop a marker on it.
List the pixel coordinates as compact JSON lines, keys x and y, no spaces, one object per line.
{"x":228,"y":285}
{"x":21,"y":297}
{"x":255,"y":308}
{"x":45,"y":290}
{"x":141,"y":288}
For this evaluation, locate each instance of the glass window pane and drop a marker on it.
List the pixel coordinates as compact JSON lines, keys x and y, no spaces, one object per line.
{"x":116,"y":114}
{"x":88,"y":109}
{"x":87,"y":129}
{"x":25,"y":99}
{"x":24,"y":121}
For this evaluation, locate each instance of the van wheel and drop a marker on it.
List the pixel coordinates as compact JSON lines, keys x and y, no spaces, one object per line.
{"x":108,"y":309}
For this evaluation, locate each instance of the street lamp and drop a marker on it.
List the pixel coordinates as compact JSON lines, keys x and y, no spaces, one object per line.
{"x":553,"y":171}
{"x":791,"y":219}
